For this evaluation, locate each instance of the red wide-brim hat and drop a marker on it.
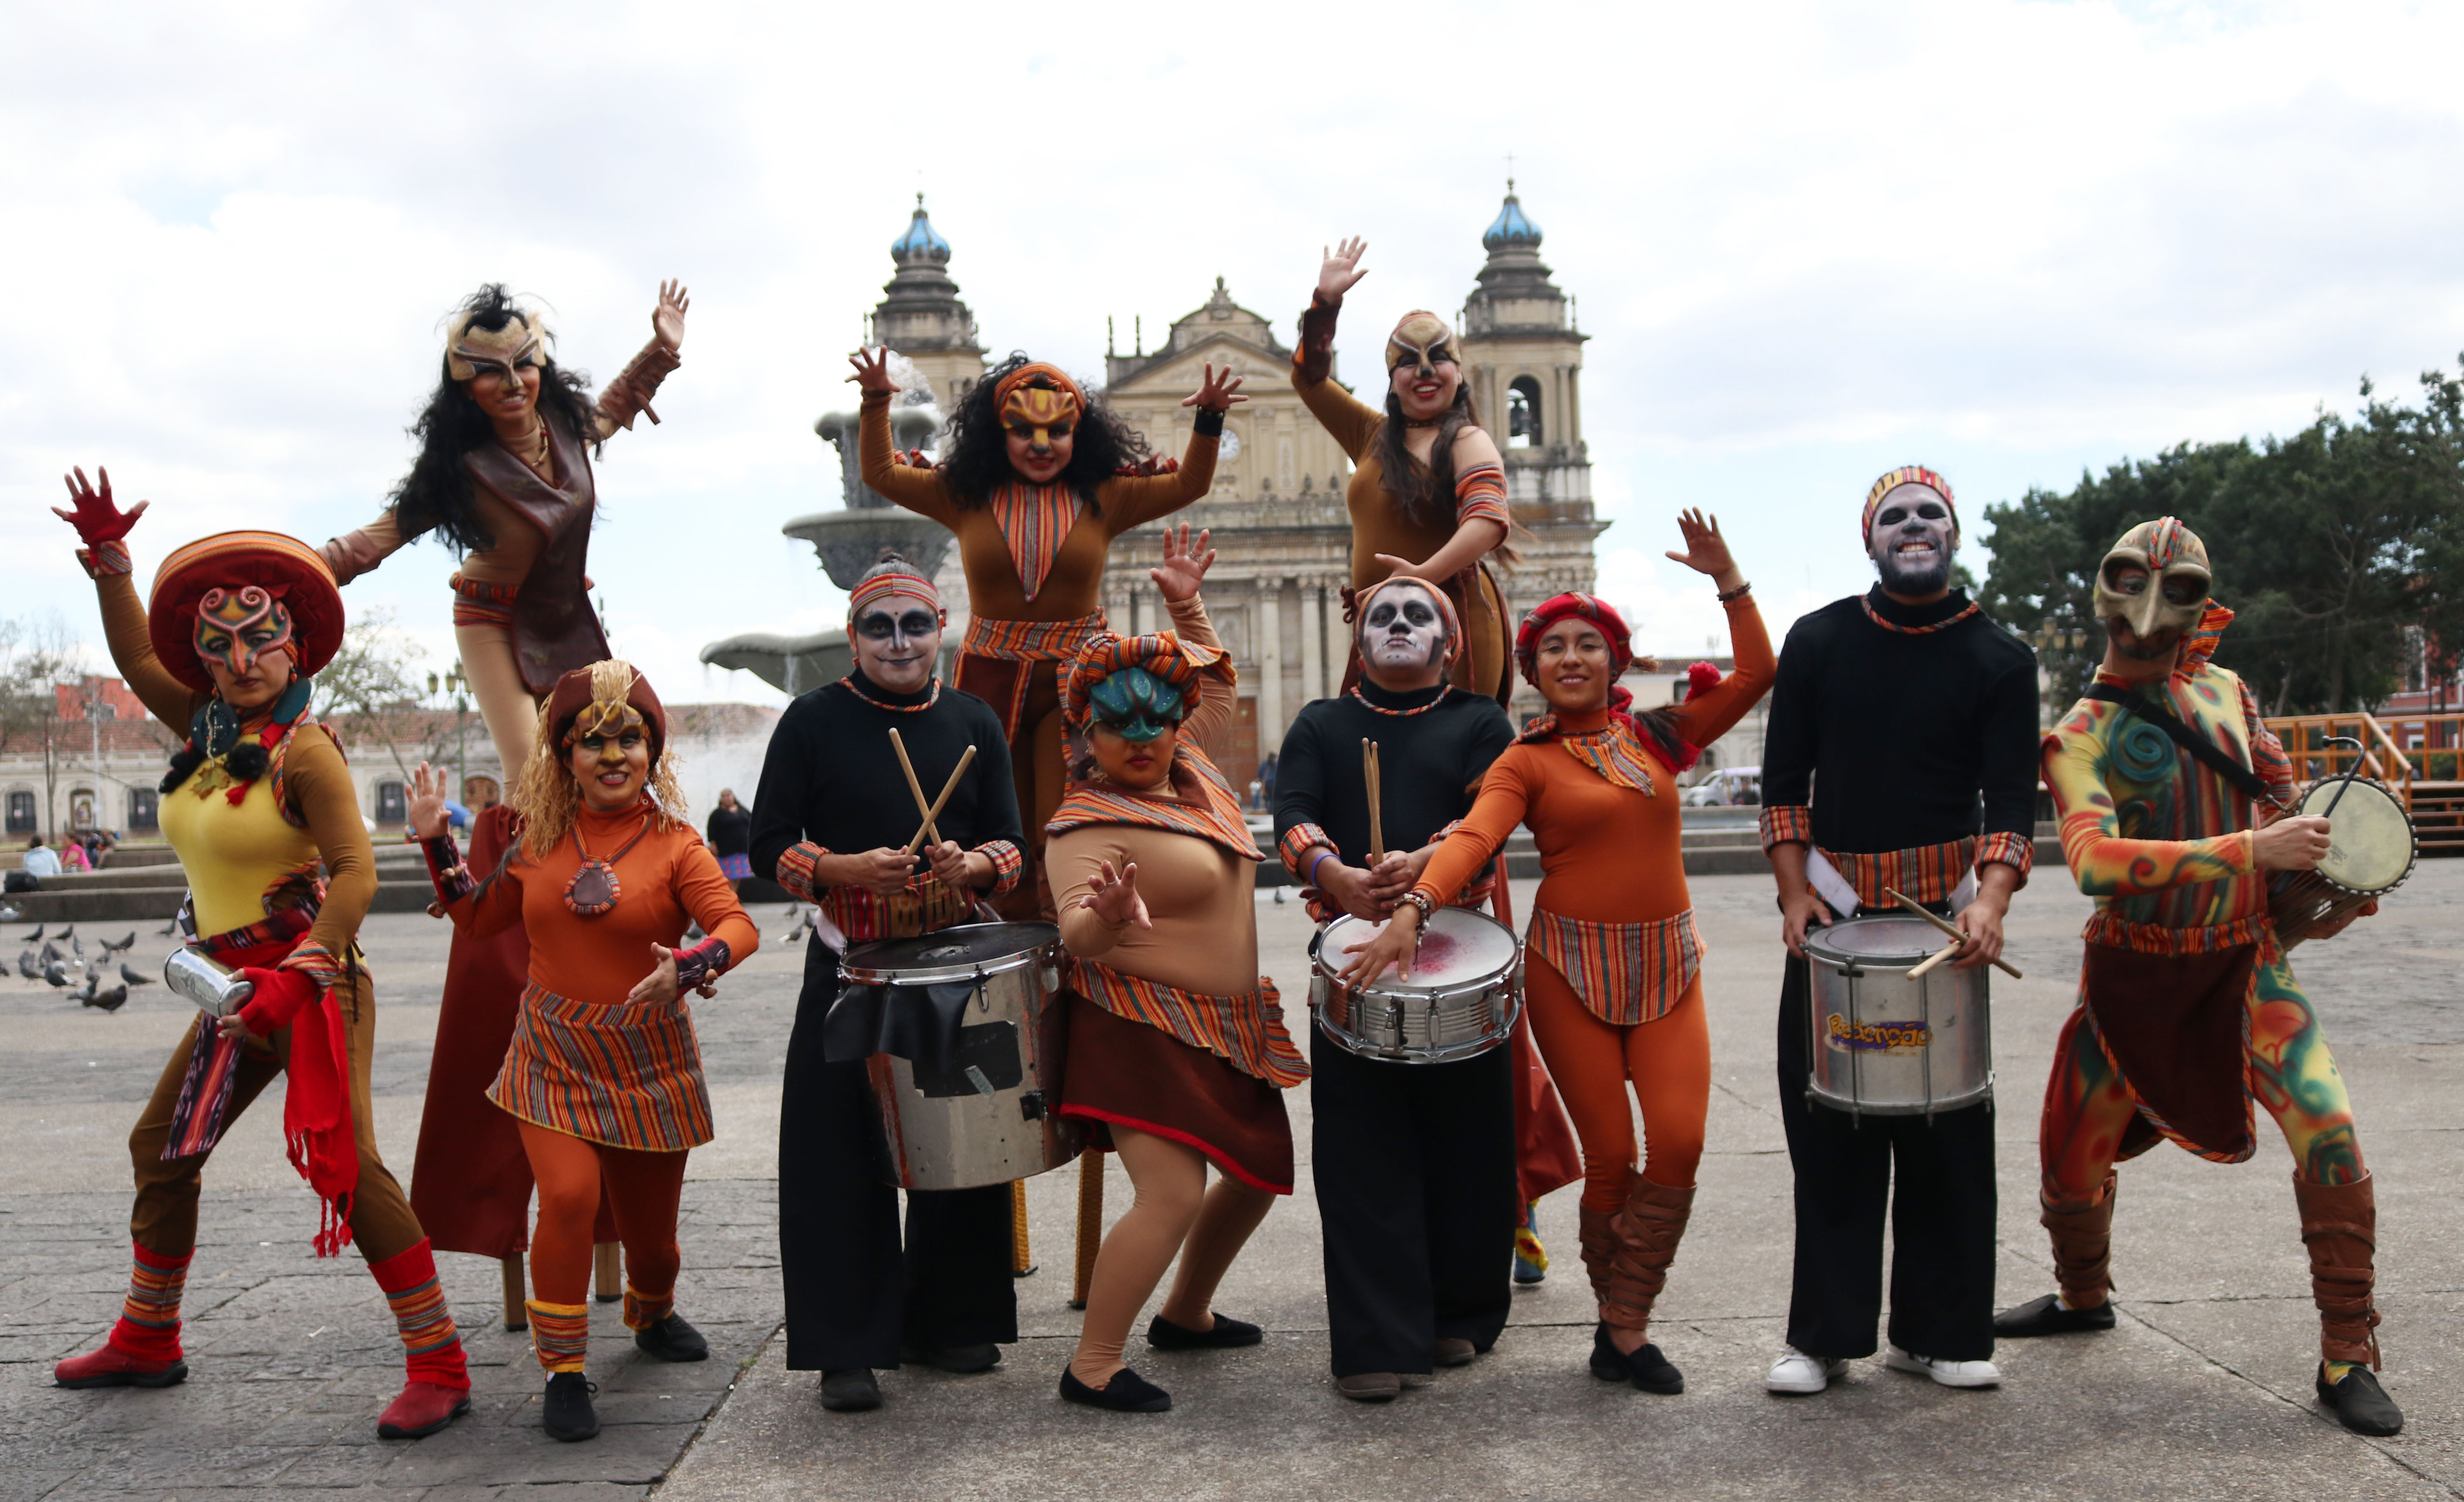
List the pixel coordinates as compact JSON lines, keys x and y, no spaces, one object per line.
{"x":282,"y":567}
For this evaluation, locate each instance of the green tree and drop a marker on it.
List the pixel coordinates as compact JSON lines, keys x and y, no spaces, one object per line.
{"x":369,"y":690}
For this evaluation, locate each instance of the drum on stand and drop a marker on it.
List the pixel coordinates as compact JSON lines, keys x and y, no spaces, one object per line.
{"x":1465,"y":993}
{"x":1886,"y":1045}
{"x":2371,"y":853}
{"x":985,"y":1110}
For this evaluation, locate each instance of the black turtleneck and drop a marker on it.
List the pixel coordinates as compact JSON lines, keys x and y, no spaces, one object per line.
{"x":1429,"y":765}
{"x":831,"y":778}
{"x":1897,"y":739}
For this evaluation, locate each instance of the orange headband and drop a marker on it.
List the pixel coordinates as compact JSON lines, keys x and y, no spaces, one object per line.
{"x":871,"y":588}
{"x":1020,"y":376}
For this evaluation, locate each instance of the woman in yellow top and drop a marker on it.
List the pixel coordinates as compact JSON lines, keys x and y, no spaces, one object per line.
{"x":1036,"y":479}
{"x":1427,"y":495}
{"x":259,"y":806}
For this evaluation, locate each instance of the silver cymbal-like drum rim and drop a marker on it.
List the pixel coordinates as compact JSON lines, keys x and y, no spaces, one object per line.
{"x":1389,"y":1038}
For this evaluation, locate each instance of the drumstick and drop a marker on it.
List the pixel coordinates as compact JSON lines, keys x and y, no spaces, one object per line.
{"x":912,"y":785}
{"x":1946,"y":926}
{"x":1376,"y":826}
{"x":942,"y":802}
{"x":1935,"y":959}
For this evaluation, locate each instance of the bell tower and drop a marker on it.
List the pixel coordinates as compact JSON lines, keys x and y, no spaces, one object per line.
{"x":922,"y":317}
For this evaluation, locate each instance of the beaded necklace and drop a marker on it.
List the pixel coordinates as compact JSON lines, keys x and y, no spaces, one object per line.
{"x":930,"y":699}
{"x":1944,"y":624}
{"x":1443,"y":689}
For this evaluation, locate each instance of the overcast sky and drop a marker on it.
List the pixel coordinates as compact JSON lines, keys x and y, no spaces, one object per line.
{"x":1809,"y":241}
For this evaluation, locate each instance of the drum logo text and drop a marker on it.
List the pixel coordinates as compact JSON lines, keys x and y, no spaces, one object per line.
{"x":1879,"y":1037}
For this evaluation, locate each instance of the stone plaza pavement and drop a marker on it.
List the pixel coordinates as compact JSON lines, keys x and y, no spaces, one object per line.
{"x":2202,"y":1392}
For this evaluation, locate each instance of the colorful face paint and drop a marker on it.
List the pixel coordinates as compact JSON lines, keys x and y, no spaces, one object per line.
{"x":1039,"y":414}
{"x":236,"y":627}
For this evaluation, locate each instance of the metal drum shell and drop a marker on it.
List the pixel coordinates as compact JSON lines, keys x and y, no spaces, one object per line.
{"x":1441,"y":1025}
{"x":938,"y":1139}
{"x":1856,"y":1002}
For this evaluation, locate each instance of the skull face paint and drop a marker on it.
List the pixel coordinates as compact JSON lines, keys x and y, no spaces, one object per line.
{"x":1403,"y":630}
{"x":897,"y":640}
{"x":2153,"y":589}
{"x":237,"y":627}
{"x":1912,"y":539}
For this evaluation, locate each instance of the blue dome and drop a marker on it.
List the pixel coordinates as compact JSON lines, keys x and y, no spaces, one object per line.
{"x":1510,"y":228}
{"x":921,"y":241}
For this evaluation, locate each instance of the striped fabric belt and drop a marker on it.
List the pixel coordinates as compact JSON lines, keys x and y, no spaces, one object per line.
{"x":606,"y":1071}
{"x":1246,"y":1031}
{"x":1627,"y":974}
{"x":479,"y":604}
{"x":2116,"y":932}
{"x":925,"y":907}
{"x":1928,"y":872}
{"x":1029,"y":641}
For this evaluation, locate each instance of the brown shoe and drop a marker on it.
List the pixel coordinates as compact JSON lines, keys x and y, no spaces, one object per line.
{"x":1370,"y":1386}
{"x":2339,"y":1225}
{"x":1452,"y":1352}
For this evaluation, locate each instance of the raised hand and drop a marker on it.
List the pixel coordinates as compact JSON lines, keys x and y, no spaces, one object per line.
{"x":872,"y":371}
{"x":1340,"y":271}
{"x":667,"y":319}
{"x":1114,"y":898}
{"x":1707,"y":551}
{"x":1184,"y":563}
{"x":425,"y":812}
{"x":96,"y":519}
{"x":1215,"y":391}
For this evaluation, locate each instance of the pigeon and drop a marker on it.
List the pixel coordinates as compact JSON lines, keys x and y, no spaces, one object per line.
{"x":36,"y":935}
{"x":69,"y":932}
{"x":110,"y":1001}
{"x":168,"y":929}
{"x":87,"y":990}
{"x":57,"y":974}
{"x":78,"y":946}
{"x":134,"y":976}
{"x":10,"y":913}
{"x":51,"y":954}
{"x":30,"y":966}
{"x":122,"y":946}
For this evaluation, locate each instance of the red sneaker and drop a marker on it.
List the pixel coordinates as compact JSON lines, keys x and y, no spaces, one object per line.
{"x":113,"y":1368}
{"x":423,"y":1409}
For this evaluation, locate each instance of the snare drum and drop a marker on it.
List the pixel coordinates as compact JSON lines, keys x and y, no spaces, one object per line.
{"x":1884,"y":1044}
{"x":1465,"y":993}
{"x":989,"y":1112}
{"x":2371,"y":851}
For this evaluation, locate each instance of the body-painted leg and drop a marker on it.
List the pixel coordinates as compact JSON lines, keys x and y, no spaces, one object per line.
{"x":2087,"y":1109}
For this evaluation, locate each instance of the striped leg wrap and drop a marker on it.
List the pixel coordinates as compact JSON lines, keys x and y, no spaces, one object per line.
{"x":432,"y":1347}
{"x":641,"y":1312}
{"x":560,"y":1335}
{"x":150,"y":1320}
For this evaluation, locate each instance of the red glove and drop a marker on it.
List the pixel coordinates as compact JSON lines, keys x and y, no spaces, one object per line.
{"x":97,"y":520}
{"x":280,"y":995}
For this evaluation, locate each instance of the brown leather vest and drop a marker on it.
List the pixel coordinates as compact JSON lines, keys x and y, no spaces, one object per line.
{"x":555,"y":629}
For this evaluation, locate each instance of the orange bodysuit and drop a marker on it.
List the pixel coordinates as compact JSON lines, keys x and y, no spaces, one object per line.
{"x":1611,"y":868}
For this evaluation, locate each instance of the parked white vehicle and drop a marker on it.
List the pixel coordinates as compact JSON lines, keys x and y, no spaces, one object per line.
{"x":1726,"y":787}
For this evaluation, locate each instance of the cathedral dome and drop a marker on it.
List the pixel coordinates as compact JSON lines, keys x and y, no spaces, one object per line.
{"x":1512,"y":229}
{"x":921,"y":242}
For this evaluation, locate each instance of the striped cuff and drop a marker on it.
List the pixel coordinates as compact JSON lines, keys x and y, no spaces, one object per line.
{"x":1783,"y":823}
{"x":316,"y":963}
{"x":796,"y":866}
{"x":104,"y":558}
{"x":1480,"y":494}
{"x":560,"y":1335}
{"x":1008,"y":864}
{"x":1298,"y":841}
{"x":2017,"y":851}
{"x":702,"y":964}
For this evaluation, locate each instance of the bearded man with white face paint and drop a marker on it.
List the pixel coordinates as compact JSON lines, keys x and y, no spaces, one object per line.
{"x":832,"y":823}
{"x":1413,"y":1165}
{"x":1901,"y":753}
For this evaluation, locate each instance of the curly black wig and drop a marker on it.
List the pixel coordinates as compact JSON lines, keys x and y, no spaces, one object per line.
{"x":436,"y":494}
{"x":975,"y":455}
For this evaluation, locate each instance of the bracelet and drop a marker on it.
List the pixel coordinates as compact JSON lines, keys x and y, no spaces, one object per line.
{"x":1209,"y":423}
{"x":1738,"y":594}
{"x":1421,"y":900}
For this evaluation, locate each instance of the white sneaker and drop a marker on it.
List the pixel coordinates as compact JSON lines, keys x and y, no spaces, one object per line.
{"x":1797,"y":1372}
{"x":1949,"y":1373}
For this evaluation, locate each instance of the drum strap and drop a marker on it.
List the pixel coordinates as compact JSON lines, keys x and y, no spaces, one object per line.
{"x":2249,"y":784}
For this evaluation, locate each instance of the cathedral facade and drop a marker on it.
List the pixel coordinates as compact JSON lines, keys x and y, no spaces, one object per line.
{"x":1277,"y":507}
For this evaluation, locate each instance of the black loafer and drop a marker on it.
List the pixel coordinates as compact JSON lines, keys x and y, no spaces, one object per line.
{"x":2045,"y":1315}
{"x":2360,"y":1404}
{"x":672,"y":1339}
{"x":1653,"y":1373}
{"x":962,"y":1360}
{"x":1165,"y":1336}
{"x":1453,"y":1351}
{"x":851,"y":1390}
{"x":1608,"y":1362}
{"x":566,"y":1412}
{"x":1126,"y":1393}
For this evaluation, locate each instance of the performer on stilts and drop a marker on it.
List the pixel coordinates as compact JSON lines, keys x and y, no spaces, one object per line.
{"x":1413,"y":1164}
{"x":1036,"y":481}
{"x":1427,"y":494}
{"x":1899,"y":718}
{"x":832,"y":823}
{"x":1612,"y":975}
{"x":2169,"y":785}
{"x":258,"y":806}
{"x":1178,"y":1057}
{"x":603,"y":1078}
{"x":504,"y":477}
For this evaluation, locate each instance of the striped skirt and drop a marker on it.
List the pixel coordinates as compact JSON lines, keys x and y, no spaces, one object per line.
{"x":606,"y":1071}
{"x":1627,"y":974}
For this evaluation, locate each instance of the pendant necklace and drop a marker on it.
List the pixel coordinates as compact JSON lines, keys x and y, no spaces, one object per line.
{"x":593,"y":889}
